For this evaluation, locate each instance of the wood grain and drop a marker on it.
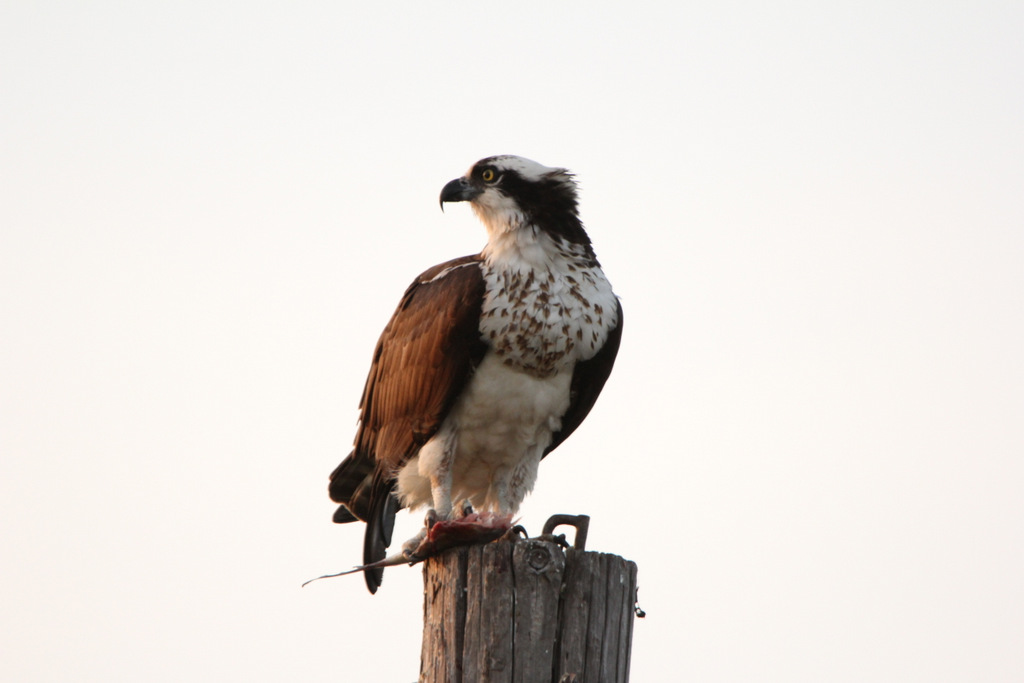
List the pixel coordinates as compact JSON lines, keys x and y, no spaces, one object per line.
{"x":527,"y":612}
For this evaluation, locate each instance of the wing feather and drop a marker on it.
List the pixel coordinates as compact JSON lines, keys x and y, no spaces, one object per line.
{"x":588,"y":380}
{"x":422,"y":361}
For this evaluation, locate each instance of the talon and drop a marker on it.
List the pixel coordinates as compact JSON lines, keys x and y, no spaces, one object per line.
{"x":514,"y":534}
{"x":431,"y":519}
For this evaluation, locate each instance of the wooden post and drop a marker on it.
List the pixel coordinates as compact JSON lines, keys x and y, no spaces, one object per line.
{"x":527,"y":612}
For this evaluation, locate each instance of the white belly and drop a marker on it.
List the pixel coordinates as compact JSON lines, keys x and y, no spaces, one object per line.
{"x":492,"y":442}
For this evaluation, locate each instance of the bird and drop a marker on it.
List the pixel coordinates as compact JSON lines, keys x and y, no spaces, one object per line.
{"x":488,"y":364}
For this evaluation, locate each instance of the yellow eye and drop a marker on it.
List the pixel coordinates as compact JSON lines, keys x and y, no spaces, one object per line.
{"x":488,"y":175}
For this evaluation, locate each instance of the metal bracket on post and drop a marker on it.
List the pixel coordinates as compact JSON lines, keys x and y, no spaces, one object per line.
{"x":580,"y":522}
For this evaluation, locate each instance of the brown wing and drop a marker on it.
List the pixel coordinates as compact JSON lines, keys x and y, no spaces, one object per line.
{"x":422,"y":362}
{"x":588,"y":380}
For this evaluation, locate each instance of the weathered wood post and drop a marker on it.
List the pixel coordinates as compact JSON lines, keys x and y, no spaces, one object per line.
{"x":527,"y":612}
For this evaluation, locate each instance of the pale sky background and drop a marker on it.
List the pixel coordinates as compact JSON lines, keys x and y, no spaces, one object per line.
{"x":813,"y":440}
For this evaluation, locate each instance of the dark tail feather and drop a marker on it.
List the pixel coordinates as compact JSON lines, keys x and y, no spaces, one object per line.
{"x":352,"y":485}
{"x":379,"y":526}
{"x":343,"y":515}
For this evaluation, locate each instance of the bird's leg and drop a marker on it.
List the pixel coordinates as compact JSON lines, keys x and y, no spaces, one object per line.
{"x":436,"y":461}
{"x":472,"y":529}
{"x":442,"y":505}
{"x":448,"y":526}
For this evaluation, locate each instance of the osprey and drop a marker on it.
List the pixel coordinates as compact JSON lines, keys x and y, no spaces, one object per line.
{"x":488,"y":364}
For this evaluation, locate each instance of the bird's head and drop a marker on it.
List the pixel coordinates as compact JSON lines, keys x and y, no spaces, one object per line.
{"x":510,"y":193}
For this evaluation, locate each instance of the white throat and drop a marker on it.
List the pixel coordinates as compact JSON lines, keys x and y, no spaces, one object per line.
{"x":525,"y":248}
{"x":499,"y":214}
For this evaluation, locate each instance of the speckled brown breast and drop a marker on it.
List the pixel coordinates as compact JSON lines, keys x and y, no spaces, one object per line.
{"x":543,"y":320}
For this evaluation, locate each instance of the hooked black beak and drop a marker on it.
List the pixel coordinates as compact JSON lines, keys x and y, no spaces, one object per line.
{"x":458,"y":190}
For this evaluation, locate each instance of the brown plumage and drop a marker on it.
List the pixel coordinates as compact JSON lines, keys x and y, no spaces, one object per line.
{"x":420,"y":364}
